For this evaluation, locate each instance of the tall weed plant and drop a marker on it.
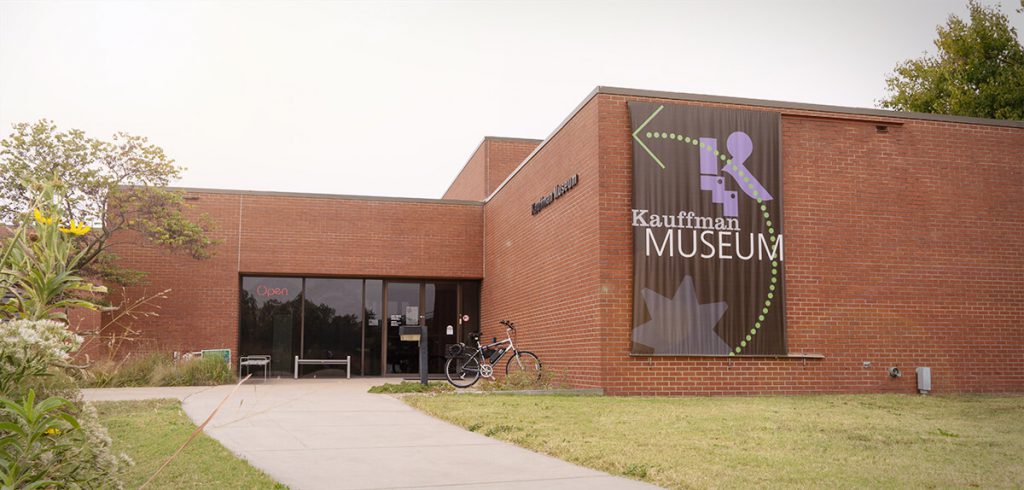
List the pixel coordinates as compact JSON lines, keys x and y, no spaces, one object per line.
{"x":198,"y":372}
{"x":58,"y":441}
{"x":159,"y":369}
{"x":40,"y":264}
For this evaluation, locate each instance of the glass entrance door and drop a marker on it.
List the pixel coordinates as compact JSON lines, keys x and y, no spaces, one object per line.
{"x":442,"y":320}
{"x":403,"y":308}
{"x":448,"y":309}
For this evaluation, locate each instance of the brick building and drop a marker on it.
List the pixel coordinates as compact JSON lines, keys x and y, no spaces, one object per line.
{"x":903,"y":248}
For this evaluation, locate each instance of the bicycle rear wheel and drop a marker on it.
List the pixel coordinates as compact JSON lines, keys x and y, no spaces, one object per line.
{"x":462,"y":370}
{"x":523,"y":364}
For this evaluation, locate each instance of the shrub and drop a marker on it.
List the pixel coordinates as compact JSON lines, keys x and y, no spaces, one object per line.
{"x":136,"y":371}
{"x":53,"y":443}
{"x":159,"y":369}
{"x":44,"y":445}
{"x":57,"y":382}
{"x":196,"y":372}
{"x":28,"y":349}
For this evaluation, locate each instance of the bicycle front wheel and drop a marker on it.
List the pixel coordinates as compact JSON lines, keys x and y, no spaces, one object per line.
{"x":523,"y":364}
{"x":462,"y":370}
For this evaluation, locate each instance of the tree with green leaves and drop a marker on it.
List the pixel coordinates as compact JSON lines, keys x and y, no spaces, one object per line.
{"x":111,"y":186}
{"x":978,"y":71}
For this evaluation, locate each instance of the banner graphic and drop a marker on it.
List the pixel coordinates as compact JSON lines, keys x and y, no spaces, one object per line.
{"x":708,"y":246}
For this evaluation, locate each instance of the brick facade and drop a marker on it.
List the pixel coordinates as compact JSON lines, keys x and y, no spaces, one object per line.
{"x":912,"y":257}
{"x":934,"y":281}
{"x":542,"y":271}
{"x":285,"y":234}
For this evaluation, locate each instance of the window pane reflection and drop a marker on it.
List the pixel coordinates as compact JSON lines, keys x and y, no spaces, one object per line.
{"x":269,"y":320}
{"x":441,"y":318}
{"x":372,"y":341}
{"x":333,"y":324}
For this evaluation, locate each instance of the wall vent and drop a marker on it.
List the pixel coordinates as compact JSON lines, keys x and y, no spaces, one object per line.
{"x":924,"y":380}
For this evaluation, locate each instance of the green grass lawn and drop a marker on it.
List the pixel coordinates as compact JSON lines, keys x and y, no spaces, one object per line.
{"x":150,"y":431}
{"x":865,"y":441}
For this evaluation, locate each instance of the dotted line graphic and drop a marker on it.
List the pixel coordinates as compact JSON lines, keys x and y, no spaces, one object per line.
{"x":767,"y":221}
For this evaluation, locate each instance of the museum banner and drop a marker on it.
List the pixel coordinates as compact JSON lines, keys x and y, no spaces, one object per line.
{"x":707,"y":231}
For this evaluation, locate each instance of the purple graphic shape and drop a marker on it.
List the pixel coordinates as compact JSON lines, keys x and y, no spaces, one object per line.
{"x":715,"y":184}
{"x":731,"y":208}
{"x":741,"y":147}
{"x":707,"y":182}
{"x":708,"y":164}
{"x":681,"y":324}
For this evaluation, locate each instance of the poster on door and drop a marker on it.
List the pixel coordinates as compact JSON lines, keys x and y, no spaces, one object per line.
{"x":708,"y":242}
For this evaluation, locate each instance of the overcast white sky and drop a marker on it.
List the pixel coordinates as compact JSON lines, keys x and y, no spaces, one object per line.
{"x":390,"y":98}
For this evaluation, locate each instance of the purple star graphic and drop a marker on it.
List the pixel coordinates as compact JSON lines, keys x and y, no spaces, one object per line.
{"x":681,"y":325}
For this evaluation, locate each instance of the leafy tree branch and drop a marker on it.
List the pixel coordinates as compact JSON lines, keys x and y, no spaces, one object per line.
{"x":114,"y":185}
{"x":978,"y":70}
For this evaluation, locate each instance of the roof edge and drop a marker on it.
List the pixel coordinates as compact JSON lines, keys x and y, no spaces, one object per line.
{"x":768,"y":104}
{"x":803,"y":106}
{"x":464,"y":165}
{"x":313,"y":195}
{"x":509,"y":138}
{"x":482,"y":141}
{"x":579,"y":107}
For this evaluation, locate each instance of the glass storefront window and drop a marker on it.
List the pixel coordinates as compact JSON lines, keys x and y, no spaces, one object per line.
{"x":372,"y":336}
{"x":331,"y":318}
{"x":270,"y":320}
{"x":332,"y":324}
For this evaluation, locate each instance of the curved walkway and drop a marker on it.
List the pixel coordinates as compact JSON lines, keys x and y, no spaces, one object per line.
{"x":331,"y":434}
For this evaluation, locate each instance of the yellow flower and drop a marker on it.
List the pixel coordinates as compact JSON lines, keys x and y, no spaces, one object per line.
{"x":52,"y":431}
{"x":40,"y":218}
{"x":76,"y":228}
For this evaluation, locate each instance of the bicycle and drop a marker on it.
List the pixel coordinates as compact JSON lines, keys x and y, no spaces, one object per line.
{"x":464,"y":368}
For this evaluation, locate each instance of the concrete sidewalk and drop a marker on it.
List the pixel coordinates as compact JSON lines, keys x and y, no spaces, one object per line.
{"x":331,"y":434}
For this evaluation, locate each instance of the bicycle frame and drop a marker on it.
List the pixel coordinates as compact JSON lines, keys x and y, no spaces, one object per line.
{"x":508,"y":340}
{"x":479,"y":354}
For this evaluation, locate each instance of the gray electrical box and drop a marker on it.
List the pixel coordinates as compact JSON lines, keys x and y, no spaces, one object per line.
{"x":924,"y":380}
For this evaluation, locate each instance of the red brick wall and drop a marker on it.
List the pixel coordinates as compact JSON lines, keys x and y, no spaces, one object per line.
{"x":201,"y":311}
{"x":298,"y":235}
{"x":912,"y":257}
{"x":503,"y":156}
{"x":470,"y":184}
{"x":87,"y":324}
{"x":360,"y":237}
{"x":543,"y":271}
{"x":488,"y":167}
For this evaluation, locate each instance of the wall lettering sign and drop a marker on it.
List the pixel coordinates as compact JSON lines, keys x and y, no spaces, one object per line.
{"x":556,"y":193}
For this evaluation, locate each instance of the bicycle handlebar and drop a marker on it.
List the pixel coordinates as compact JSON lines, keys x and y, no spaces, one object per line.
{"x":509,"y":324}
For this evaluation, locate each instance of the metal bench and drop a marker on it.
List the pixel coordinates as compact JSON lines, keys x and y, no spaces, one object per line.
{"x":260,"y":361}
{"x":347,"y":361}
